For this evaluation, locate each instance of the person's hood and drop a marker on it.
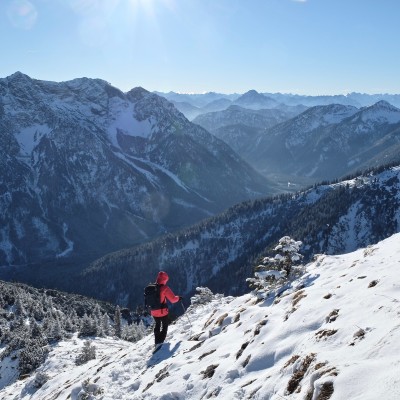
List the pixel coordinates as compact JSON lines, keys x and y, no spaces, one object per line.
{"x":162,"y":278}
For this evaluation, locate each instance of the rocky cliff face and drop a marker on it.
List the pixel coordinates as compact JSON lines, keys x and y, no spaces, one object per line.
{"x":86,"y":169}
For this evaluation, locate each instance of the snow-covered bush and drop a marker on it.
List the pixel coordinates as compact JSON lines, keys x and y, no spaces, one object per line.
{"x":32,"y":355}
{"x":40,"y":379}
{"x":133,"y":332}
{"x":275,"y":272}
{"x":88,"y":353}
{"x":89,"y":391}
{"x":204,"y":296}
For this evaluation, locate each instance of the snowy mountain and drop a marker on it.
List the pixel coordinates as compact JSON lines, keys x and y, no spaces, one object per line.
{"x":235,"y":115}
{"x":191,"y":112}
{"x":219,"y":252}
{"x":255,"y":101}
{"x":217,"y":105}
{"x":238,"y":126}
{"x":334,"y":334}
{"x":86,"y":169}
{"x":326,"y":142}
{"x":187,"y":109}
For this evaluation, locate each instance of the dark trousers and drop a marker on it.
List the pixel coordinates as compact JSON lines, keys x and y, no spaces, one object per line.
{"x":160,"y":329}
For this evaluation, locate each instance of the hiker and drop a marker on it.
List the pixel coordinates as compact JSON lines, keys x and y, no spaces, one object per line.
{"x":160,"y":315}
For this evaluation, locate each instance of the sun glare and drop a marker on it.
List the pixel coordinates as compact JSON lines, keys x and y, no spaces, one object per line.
{"x":150,"y":7}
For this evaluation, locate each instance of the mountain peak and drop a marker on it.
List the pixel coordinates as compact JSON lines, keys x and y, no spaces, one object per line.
{"x":137,"y":93}
{"x":384,"y":105}
{"x":19,"y":76}
{"x":254,"y":100}
{"x":252,"y":93}
{"x":382,"y":111}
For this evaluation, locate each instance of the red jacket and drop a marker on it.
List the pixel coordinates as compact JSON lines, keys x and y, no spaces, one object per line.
{"x":165,"y":294}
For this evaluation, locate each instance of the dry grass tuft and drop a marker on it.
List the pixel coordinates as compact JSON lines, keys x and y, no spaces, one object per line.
{"x":291,"y":360}
{"x":209,"y":372}
{"x":324,"y":333}
{"x":326,"y":391}
{"x":297,"y":297}
{"x":332,"y":316}
{"x":243,"y":347}
{"x":298,"y":375}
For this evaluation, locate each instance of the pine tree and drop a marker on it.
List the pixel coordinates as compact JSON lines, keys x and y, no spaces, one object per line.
{"x":19,"y":307}
{"x":105,"y":323}
{"x":69,"y":325}
{"x":57,"y":332}
{"x":117,"y":322}
{"x":141,"y":330}
{"x":275,"y":272}
{"x":36,"y":330}
{"x":88,"y":327}
{"x":32,"y":355}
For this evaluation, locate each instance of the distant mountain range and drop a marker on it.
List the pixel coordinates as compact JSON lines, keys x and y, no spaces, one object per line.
{"x":239,"y":127}
{"x":327,"y":142}
{"x":86,"y":169}
{"x":193,"y":105}
{"x":314,"y":144}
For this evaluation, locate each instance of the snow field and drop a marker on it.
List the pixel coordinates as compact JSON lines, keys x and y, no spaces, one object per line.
{"x":335,"y":335}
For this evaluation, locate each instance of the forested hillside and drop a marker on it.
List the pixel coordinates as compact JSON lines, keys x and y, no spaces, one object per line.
{"x":220,"y":252}
{"x":32,"y":321}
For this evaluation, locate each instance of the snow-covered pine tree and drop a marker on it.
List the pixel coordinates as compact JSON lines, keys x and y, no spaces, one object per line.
{"x":203,"y":296}
{"x":38,"y":312}
{"x":75,"y":322}
{"x":69,"y":326}
{"x":88,"y":327}
{"x":97,"y":319}
{"x":36,"y":329}
{"x":133,"y":332}
{"x":275,"y":272}
{"x":88,"y":353}
{"x":57,"y":331}
{"x":105,"y":323}
{"x":32,"y":355}
{"x":117,"y":322}
{"x":19,"y":306}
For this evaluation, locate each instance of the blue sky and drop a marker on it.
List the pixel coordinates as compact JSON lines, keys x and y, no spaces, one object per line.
{"x":307,"y":47}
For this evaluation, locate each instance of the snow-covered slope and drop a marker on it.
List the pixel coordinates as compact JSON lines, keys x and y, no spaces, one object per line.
{"x":334,"y":335}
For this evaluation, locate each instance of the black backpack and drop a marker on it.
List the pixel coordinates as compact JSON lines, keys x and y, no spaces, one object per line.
{"x":152,"y":297}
